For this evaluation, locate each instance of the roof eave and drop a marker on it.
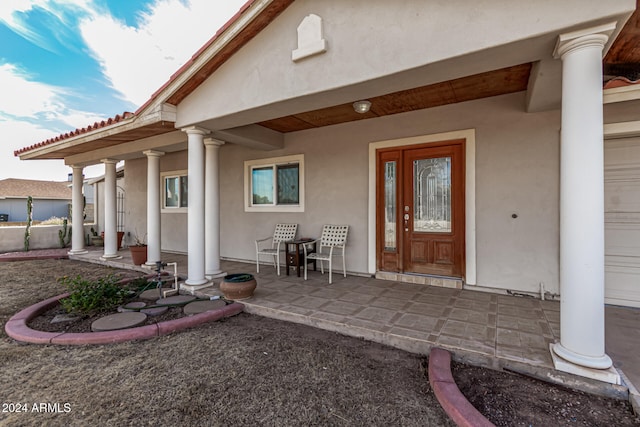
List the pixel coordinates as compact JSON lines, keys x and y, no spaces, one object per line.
{"x":161,"y":113}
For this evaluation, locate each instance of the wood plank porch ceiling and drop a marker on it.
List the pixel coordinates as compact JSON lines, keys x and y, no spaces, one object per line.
{"x":492,"y":83}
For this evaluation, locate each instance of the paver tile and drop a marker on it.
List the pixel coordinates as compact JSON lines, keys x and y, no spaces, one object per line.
{"x":412,"y":333}
{"x":472,"y":316}
{"x":369,"y":290}
{"x":427,"y":298}
{"x":365,"y":324}
{"x":389,"y":303}
{"x":515,"y":311}
{"x":341,"y":307}
{"x":309,"y":302}
{"x":417,"y":322}
{"x":356,"y":298}
{"x":376,"y":314}
{"x":426,"y":309}
{"x":485,"y":347}
{"x":478,"y":296}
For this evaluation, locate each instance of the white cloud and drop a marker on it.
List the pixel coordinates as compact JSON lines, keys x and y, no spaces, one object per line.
{"x":24,"y":97}
{"x":138,"y":60}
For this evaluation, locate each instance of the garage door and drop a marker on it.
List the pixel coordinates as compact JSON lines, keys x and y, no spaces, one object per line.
{"x":622,"y":221}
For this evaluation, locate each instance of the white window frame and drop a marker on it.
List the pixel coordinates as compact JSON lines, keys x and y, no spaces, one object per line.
{"x":249,"y":165}
{"x":163,"y":190}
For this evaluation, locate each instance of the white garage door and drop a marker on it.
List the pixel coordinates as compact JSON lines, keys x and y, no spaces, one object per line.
{"x":622,"y":221}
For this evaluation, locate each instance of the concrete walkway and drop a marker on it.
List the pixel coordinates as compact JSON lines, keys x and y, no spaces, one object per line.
{"x":482,"y":328}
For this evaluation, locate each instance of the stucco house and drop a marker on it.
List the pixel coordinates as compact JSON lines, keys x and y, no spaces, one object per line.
{"x":465,"y":144}
{"x":50,"y":199}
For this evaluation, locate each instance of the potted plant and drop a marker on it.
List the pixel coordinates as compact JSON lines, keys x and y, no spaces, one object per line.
{"x":138,"y":250}
{"x":119,"y":241}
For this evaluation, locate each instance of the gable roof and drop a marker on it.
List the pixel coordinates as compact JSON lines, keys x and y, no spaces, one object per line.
{"x":22,"y":188}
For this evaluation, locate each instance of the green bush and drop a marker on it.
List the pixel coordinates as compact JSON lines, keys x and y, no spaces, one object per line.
{"x":93,"y":296}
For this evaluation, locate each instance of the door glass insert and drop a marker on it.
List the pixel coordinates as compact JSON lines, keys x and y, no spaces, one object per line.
{"x":432,"y":195}
{"x":390,"y":207}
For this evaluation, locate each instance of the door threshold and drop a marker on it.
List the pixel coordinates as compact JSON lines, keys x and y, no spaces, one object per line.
{"x":421,"y":279}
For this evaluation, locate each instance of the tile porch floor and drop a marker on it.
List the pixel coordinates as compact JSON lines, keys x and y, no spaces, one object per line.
{"x":484,"y":328}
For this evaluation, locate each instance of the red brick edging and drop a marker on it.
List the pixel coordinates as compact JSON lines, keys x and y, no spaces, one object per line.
{"x":448,"y":394}
{"x":17,"y":328}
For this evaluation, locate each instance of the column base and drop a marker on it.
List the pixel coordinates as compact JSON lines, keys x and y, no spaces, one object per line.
{"x":216,"y":274}
{"x":78,"y":252}
{"x":562,"y":362}
{"x":110,"y":256}
{"x":192,"y":288}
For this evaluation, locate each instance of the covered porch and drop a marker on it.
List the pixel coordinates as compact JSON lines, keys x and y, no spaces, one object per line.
{"x":487,"y":329}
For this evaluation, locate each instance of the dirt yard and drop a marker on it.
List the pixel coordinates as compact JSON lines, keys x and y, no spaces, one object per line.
{"x":249,"y":370}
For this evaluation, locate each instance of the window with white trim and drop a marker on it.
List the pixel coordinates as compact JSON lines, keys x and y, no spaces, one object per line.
{"x":274,"y":185}
{"x":175,"y":196}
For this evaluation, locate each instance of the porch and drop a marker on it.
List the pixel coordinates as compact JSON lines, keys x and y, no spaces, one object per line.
{"x":487,"y":329}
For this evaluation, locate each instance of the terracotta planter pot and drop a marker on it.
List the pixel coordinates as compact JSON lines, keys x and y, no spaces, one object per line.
{"x":238,"y":286}
{"x":138,"y":254}
{"x":120,"y":237}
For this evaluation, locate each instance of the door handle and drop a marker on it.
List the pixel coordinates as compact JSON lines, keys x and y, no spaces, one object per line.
{"x":406,"y":222}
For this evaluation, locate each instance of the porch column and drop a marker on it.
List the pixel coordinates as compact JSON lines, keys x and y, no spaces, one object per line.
{"x":77,"y":213}
{"x":195,"y":216}
{"x":582,"y":201}
{"x":212,"y":208}
{"x":153,"y":206}
{"x":110,"y":208}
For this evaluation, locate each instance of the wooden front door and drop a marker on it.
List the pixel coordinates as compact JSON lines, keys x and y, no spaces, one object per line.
{"x":420,"y":209}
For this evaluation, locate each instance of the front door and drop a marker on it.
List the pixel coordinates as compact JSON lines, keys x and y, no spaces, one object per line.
{"x":420,"y":209}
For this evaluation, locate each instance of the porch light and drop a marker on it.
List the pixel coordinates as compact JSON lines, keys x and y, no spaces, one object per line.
{"x":361,"y":106}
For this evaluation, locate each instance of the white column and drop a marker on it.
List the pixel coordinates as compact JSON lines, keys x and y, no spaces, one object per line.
{"x":154,"y":243}
{"x":582,"y":200}
{"x":110,"y":208}
{"x":195,"y":217}
{"x":77,"y":214}
{"x":212,"y":208}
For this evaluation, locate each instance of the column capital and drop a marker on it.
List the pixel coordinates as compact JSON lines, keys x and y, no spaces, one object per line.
{"x":587,"y":37}
{"x":213,"y":142}
{"x":195,"y":130}
{"x":153,"y":153}
{"x":109,"y":161}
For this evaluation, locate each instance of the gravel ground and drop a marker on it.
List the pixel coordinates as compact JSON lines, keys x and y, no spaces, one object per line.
{"x":249,"y":370}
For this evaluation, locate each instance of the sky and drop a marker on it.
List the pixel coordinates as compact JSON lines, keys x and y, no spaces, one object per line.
{"x":65,"y":64}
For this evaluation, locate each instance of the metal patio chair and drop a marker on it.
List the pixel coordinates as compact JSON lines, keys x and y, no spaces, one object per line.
{"x":333,"y":237}
{"x":281,"y":235}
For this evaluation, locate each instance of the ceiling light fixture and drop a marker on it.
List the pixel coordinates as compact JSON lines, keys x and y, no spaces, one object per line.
{"x":361,"y":106}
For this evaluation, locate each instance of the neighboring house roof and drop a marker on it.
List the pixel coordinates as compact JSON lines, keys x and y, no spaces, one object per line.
{"x":22,"y":188}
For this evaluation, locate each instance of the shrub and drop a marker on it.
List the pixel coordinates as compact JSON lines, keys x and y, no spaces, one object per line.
{"x":93,"y":296}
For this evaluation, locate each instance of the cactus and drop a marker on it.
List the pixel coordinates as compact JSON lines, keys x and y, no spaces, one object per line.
{"x":62,"y":234}
{"x":27,"y":232}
